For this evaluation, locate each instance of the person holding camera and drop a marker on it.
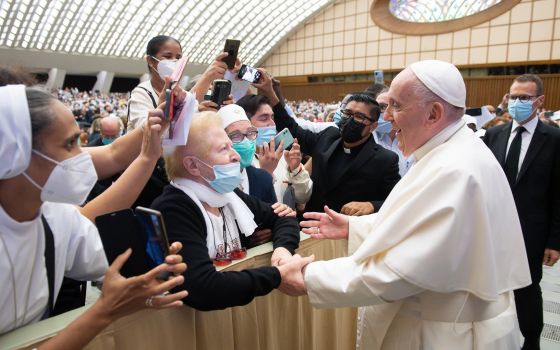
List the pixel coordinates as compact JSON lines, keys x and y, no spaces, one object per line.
{"x":43,"y":236}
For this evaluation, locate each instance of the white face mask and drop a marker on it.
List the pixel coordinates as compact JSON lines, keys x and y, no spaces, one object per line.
{"x":70,"y":181}
{"x":165,"y":67}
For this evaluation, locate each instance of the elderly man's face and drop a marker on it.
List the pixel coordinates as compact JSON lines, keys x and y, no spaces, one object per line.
{"x":219,"y":151}
{"x":406,"y":114}
{"x":383,"y":100}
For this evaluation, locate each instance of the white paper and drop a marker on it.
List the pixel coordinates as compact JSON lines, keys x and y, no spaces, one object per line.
{"x":484,"y":118}
{"x":238,"y":87}
{"x":182,"y":125}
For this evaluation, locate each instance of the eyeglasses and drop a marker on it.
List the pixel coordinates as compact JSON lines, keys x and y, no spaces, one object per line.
{"x":522,"y":98}
{"x":237,"y":136}
{"x":359,"y":117}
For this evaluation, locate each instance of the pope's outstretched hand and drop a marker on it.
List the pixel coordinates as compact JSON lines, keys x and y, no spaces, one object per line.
{"x":327,"y":225}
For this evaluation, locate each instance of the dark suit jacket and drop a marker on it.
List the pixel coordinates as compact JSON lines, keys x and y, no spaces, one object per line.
{"x":537,"y":189}
{"x":370,"y":176}
{"x":260,"y":184}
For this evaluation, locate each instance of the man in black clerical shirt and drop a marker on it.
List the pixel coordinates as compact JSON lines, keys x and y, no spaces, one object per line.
{"x":350,"y":172}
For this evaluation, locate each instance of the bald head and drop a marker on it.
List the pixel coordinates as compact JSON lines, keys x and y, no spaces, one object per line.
{"x":110,"y":127}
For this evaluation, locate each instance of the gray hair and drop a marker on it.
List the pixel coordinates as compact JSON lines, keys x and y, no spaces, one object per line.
{"x":41,"y":112}
{"x":426,"y":96}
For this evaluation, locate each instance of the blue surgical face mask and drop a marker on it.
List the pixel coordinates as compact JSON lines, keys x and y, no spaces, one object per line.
{"x":337,"y":117}
{"x":520,"y":111}
{"x":107,"y":141}
{"x":266,"y":134}
{"x":383,"y":126}
{"x":246,"y":150}
{"x":227,"y":177}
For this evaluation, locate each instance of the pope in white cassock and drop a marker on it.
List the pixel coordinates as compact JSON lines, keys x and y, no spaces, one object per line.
{"x":436,"y":266}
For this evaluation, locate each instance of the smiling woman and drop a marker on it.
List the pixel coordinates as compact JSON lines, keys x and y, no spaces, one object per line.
{"x":433,"y":17}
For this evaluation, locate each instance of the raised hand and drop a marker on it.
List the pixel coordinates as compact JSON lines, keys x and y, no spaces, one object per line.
{"x":122,"y":296}
{"x":293,"y":156}
{"x":269,"y":156}
{"x":327,"y":225}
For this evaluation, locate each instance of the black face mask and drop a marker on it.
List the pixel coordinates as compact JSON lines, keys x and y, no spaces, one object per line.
{"x":351,"y":130}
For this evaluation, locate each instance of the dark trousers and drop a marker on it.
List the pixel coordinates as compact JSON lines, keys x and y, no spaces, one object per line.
{"x":529,"y":305}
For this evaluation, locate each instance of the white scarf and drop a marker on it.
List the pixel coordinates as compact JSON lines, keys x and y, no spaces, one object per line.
{"x":200,"y":193}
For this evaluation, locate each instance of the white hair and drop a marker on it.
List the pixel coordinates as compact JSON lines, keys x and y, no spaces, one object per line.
{"x":426,"y":96}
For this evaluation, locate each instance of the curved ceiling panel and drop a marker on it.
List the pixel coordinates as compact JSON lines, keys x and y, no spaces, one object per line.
{"x":122,"y":28}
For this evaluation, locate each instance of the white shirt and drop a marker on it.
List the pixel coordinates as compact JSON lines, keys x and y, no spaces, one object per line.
{"x":244,"y":181}
{"x":526,"y":138}
{"x":231,"y":234}
{"x":140,"y":104}
{"x":384,"y":140}
{"x":78,"y":254}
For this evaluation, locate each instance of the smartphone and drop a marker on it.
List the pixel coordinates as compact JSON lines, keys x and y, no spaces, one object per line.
{"x":118,"y":232}
{"x":548,"y":114}
{"x":220,"y":91}
{"x":378,"y":77}
{"x":285,"y":136}
{"x":168,"y":113}
{"x":153,"y":227}
{"x":473,"y":112}
{"x":232,"y":48}
{"x":249,"y":74}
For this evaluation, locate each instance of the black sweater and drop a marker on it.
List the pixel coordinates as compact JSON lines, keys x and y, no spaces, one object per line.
{"x":209,"y":289}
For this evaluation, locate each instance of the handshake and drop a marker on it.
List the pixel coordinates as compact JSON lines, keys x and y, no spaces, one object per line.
{"x":292,"y":268}
{"x":327,"y":225}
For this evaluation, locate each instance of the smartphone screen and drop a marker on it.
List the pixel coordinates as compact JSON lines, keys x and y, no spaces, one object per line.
{"x":249,"y":74}
{"x":285,"y":136}
{"x":157,"y":245}
{"x":232,"y":48}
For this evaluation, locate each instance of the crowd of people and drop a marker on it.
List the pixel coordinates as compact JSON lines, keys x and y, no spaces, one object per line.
{"x":425,"y":203}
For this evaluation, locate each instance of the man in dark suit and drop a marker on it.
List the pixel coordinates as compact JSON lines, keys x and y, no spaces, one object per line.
{"x":529,"y":152}
{"x":350,"y":172}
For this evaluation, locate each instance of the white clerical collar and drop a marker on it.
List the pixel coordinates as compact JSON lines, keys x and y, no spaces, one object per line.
{"x":437,"y":140}
{"x":346,"y":150}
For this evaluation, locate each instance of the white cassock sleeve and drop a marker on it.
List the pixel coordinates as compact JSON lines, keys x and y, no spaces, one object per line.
{"x":371,"y":283}
{"x":358,"y":229}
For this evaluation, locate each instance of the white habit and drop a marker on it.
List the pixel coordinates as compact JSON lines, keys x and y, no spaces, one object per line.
{"x":78,"y":254}
{"x":436,"y":266}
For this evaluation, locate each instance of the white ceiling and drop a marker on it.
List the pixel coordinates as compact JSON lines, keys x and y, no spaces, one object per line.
{"x":122,"y":28}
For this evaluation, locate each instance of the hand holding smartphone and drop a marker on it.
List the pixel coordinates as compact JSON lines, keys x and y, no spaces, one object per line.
{"x":285,"y":136}
{"x":220,"y":91}
{"x":249,"y":74}
{"x":232,"y":48}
